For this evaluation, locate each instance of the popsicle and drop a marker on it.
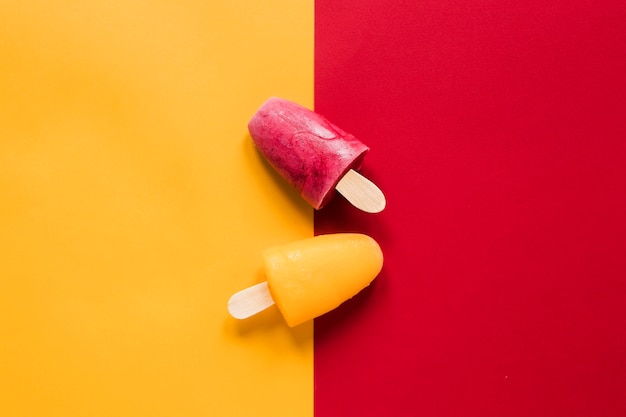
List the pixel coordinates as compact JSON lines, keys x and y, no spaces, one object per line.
{"x":313,"y":155}
{"x":311,"y":277}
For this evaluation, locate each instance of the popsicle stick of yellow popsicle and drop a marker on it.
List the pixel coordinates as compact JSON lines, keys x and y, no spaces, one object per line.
{"x":313,"y":155}
{"x":246,"y":303}
{"x":310,"y":277}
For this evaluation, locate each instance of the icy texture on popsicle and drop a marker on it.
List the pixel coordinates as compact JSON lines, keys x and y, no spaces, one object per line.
{"x":311,"y":153}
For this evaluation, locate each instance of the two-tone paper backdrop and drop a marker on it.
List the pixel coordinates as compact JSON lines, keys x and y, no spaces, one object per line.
{"x":132,"y":204}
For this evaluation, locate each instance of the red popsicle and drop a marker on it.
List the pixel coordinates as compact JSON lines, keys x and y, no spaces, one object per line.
{"x":313,"y":155}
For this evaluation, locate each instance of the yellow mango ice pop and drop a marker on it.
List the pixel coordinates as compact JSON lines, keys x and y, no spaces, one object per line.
{"x":310,"y":277}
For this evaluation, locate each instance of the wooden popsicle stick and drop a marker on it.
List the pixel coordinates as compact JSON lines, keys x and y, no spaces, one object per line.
{"x":361,"y":192}
{"x":248,"y":302}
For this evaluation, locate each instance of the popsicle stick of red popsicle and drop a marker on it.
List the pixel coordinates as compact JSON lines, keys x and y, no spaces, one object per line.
{"x":361,"y":192}
{"x":313,"y":155}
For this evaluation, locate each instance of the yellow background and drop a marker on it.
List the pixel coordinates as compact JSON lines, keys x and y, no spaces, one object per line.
{"x":132,"y":205}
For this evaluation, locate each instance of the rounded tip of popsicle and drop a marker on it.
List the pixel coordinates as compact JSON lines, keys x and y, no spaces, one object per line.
{"x":361,"y":192}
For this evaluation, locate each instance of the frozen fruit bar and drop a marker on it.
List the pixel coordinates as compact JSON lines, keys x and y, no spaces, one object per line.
{"x":312,"y":154}
{"x":308,"y":278}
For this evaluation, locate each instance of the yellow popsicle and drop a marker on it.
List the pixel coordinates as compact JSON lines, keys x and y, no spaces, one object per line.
{"x":311,"y":277}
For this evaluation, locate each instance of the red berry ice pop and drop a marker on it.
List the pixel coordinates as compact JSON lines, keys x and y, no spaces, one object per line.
{"x":313,"y":155}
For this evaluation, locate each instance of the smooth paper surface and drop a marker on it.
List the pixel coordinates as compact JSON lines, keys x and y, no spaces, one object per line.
{"x":133,"y":204}
{"x":498,"y":134}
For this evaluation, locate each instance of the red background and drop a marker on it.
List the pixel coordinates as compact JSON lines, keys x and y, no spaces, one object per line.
{"x":498,"y":133}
